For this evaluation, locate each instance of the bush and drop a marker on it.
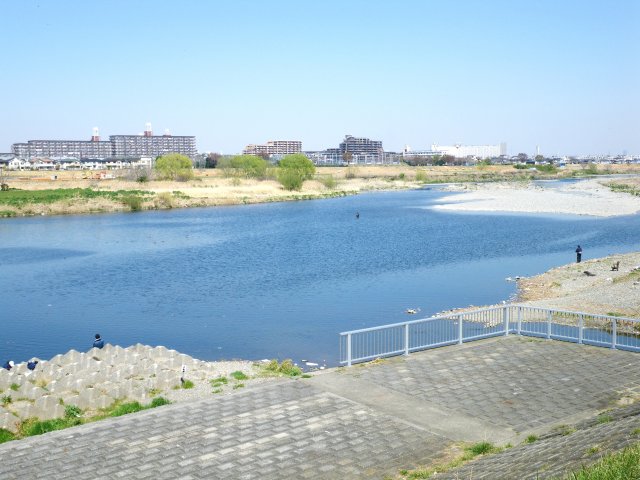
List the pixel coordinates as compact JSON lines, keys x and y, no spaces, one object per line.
{"x":187,"y":384}
{"x":548,"y":168}
{"x":6,"y":435}
{"x":285,"y":368}
{"x":421,"y":176}
{"x":328,"y":181}
{"x":290,"y":179}
{"x":249,"y":165}
{"x":134,"y":202}
{"x":174,"y":166}
{"x":164,"y":200}
{"x":300,"y":163}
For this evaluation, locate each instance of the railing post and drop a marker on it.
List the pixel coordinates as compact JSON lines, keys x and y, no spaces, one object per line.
{"x":406,"y":339}
{"x":348,"y":349}
{"x":614,"y":333}
{"x":460,"y":329}
{"x":580,"y":328}
{"x":505,"y":319}
{"x":549,"y":316}
{"x":519,"y":320}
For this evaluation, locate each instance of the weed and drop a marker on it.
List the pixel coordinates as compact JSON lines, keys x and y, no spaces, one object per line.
{"x":158,"y":402}
{"x":604,"y":418}
{"x":564,"y":430}
{"x":187,"y":384}
{"x":6,"y":435}
{"x":238,"y":385}
{"x":217,"y":390}
{"x":421,"y":176}
{"x":481,"y":448}
{"x":15,"y":387}
{"x":72,"y":411}
{"x":636,"y":432}
{"x":134,"y":202}
{"x":164,"y":200}
{"x":592,"y":450}
{"x":32,"y":426}
{"x":531,"y":439}
{"x":285,"y":368}
{"x":328,"y":181}
{"x":218,"y":382}
{"x":238,"y":375}
{"x":125,"y":408}
{"x":619,"y":465}
{"x":6,"y":399}
{"x":153,"y":392}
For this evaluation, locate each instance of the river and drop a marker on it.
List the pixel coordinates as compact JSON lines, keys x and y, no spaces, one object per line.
{"x":276,"y":280}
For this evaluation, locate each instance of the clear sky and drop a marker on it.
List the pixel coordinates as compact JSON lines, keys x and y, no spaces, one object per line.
{"x":560,"y":74}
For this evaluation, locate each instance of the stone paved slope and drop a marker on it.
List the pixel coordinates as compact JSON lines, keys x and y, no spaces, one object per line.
{"x":554,"y":456}
{"x":364,"y":422}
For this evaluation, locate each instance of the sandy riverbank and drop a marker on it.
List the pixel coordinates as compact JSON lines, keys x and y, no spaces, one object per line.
{"x":589,"y":197}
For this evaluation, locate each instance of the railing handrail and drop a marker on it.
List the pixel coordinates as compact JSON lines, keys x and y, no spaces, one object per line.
{"x":486,"y":309}
{"x":501,"y":320}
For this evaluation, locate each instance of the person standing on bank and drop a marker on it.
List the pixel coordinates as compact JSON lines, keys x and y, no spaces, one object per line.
{"x":98,"y":342}
{"x":578,"y":254}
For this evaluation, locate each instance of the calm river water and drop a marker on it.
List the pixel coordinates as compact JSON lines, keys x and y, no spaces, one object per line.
{"x":264,"y":281}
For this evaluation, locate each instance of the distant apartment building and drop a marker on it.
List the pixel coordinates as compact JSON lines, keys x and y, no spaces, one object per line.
{"x":360,"y":146}
{"x":274,"y":147}
{"x":118,"y":146}
{"x":476,"y":151}
{"x":354,"y":150}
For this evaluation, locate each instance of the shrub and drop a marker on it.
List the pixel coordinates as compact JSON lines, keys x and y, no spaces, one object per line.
{"x":300,"y":163}
{"x":187,"y":384}
{"x":481,"y":448}
{"x":134,"y":202}
{"x":164,"y":200}
{"x":328,"y":181}
{"x":174,"y":166}
{"x":290,"y":179}
{"x":548,"y":168}
{"x":421,"y":176}
{"x":285,"y":368}
{"x":15,"y":387}
{"x":6,"y":399}
{"x":249,"y":165}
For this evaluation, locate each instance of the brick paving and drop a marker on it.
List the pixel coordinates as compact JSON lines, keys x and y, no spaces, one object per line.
{"x":364,"y":422}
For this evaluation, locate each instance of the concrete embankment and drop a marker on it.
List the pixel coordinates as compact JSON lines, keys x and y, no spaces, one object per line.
{"x":96,"y":379}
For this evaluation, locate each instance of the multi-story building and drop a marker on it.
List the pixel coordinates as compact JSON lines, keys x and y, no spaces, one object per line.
{"x":274,"y":147}
{"x":118,"y":146}
{"x":360,"y":146}
{"x":476,"y":151}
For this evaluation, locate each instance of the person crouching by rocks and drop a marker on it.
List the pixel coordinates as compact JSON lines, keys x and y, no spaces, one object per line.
{"x":98,"y":342}
{"x":8,"y":365}
{"x":31,"y":364}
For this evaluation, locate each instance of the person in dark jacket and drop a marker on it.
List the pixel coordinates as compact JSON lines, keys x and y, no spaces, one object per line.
{"x":8,"y":365}
{"x":31,"y":364}
{"x":98,"y":342}
{"x":578,"y":254}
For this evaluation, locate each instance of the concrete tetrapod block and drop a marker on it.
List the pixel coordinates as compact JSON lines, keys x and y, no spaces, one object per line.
{"x":57,"y":360}
{"x":72,"y":356}
{"x":9,"y":421}
{"x":48,"y":407}
{"x":5,"y":379}
{"x":22,"y":409}
{"x":27,"y":390}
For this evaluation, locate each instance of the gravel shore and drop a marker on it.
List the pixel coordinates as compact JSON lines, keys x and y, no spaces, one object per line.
{"x":588,"y":197}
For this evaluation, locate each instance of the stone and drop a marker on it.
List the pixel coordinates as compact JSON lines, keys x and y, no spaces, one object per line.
{"x":9,"y":421}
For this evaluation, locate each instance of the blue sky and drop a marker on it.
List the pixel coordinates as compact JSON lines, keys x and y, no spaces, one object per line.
{"x":560,"y":74}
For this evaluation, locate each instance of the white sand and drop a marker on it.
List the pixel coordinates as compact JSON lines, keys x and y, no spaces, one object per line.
{"x":588,"y":197}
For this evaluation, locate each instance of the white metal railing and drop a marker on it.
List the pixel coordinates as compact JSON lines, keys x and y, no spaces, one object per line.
{"x":406,"y":337}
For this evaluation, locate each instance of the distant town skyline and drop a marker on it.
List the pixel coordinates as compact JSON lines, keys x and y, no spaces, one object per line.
{"x":562,"y":76}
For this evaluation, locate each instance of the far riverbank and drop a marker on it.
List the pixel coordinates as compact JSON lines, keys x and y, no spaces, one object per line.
{"x":62,"y":192}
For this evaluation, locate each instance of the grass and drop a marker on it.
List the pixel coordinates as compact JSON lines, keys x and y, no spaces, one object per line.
{"x":6,"y":399}
{"x":187,"y":384}
{"x":470,"y":452}
{"x":20,"y":198}
{"x":604,"y":418}
{"x":238,"y":375}
{"x":623,"y":465}
{"x":286,"y":368}
{"x":531,"y":439}
{"x":15,"y":387}
{"x":624,"y":188}
{"x":73,"y":416}
{"x":219,"y":382}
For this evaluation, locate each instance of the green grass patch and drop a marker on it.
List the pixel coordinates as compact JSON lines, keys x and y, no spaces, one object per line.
{"x":469,"y":453}
{"x":238,"y":385}
{"x":531,"y":439}
{"x":623,"y":465}
{"x":187,"y":384}
{"x":20,"y":198}
{"x":7,"y":213}
{"x":125,"y":408}
{"x":604,"y":418}
{"x":158,"y":402}
{"x":6,"y":399}
{"x":72,"y":411}
{"x":238,"y":375}
{"x":14,"y":387}
{"x":285,"y":368}
{"x":33,"y":427}
{"x":6,"y":435}
{"x":624,"y":188}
